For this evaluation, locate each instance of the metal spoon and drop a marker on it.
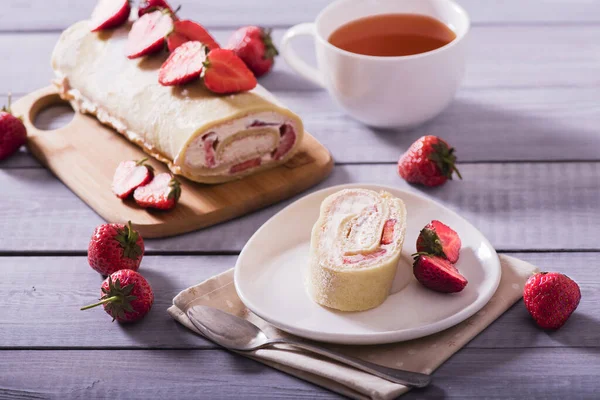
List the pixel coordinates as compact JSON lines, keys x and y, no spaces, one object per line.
{"x":235,"y":333}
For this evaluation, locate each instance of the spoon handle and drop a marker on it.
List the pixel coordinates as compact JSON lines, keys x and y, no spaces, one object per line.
{"x":407,"y":378}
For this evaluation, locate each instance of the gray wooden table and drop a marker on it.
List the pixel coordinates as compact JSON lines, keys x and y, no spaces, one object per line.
{"x":526,"y":125}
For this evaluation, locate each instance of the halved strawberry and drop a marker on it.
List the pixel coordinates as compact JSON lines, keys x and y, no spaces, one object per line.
{"x":437,"y":273}
{"x":148,"y":6}
{"x":109,"y":14}
{"x":148,"y":34}
{"x":253,"y":163}
{"x":440,"y":240}
{"x":224,"y":72}
{"x":161,"y":193}
{"x":185,"y":31}
{"x":130,"y":175}
{"x":387,"y":235}
{"x":183,"y":65}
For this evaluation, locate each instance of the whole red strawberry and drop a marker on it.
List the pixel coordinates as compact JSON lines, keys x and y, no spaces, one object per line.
{"x":130,"y":175}
{"x":551,"y":298}
{"x":440,"y":240}
{"x":162,"y":193}
{"x":428,"y":161}
{"x":126,"y":296}
{"x":437,"y":273}
{"x":114,"y":247}
{"x":255,"y":47}
{"x":12,"y":132}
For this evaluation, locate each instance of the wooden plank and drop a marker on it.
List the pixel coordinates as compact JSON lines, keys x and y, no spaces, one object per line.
{"x":39,"y":14}
{"x":515,"y":124}
{"x":472,"y":373}
{"x":42,"y":296}
{"x":498,"y":57}
{"x":517,"y":206}
{"x":122,"y":374}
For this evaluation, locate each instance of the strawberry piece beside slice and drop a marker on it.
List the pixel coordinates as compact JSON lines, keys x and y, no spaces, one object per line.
{"x":437,"y":273}
{"x":130,"y":175}
{"x":183,"y":65}
{"x":148,"y":34}
{"x":253,"y":163}
{"x":109,"y":14}
{"x":286,"y":141}
{"x":185,"y":31}
{"x":162,"y":193}
{"x":440,"y":240}
{"x":387,"y":235}
{"x":224,"y":72}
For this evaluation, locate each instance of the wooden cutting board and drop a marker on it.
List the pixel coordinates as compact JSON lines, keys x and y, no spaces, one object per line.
{"x":84,"y":155}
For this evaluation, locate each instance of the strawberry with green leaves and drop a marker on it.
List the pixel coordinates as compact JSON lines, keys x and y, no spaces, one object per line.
{"x":429,"y":161}
{"x":114,"y":247}
{"x":126,"y":296}
{"x":253,"y":44}
{"x":162,"y":193}
{"x":551,"y":298}
{"x":439,"y":239}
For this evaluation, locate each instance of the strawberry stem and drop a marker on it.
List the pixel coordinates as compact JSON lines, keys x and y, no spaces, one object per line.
{"x":104,"y":301}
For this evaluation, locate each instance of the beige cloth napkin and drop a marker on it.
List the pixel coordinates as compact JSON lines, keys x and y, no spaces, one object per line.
{"x":419,"y":355}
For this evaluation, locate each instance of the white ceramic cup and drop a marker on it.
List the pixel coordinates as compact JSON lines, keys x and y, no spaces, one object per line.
{"x":400,"y":92}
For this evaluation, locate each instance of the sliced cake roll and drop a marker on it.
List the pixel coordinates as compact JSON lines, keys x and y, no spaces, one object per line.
{"x":355,"y":249}
{"x":203,"y":136}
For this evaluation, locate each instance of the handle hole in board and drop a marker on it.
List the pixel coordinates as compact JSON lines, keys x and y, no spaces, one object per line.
{"x":54,"y":115}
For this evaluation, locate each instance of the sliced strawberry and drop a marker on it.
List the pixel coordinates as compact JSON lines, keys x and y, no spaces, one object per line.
{"x":147,"y":6}
{"x":185,"y":31}
{"x":183,"y":65}
{"x":437,"y":273}
{"x":253,"y":163}
{"x":288,"y":138}
{"x":148,"y":34}
{"x":210,"y":142}
{"x":440,"y":240}
{"x":129,"y":176}
{"x":161,"y":193}
{"x":387,"y":235}
{"x":224,"y":72}
{"x":355,"y":258}
{"x":109,"y":14}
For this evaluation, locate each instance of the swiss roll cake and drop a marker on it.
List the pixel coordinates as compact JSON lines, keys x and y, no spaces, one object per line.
{"x":200,"y":135}
{"x":355,"y":249}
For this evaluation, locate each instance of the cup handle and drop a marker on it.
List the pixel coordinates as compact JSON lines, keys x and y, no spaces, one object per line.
{"x":291,"y":57}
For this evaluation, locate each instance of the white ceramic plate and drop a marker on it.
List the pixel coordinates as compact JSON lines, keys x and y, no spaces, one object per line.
{"x":269,"y":278}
